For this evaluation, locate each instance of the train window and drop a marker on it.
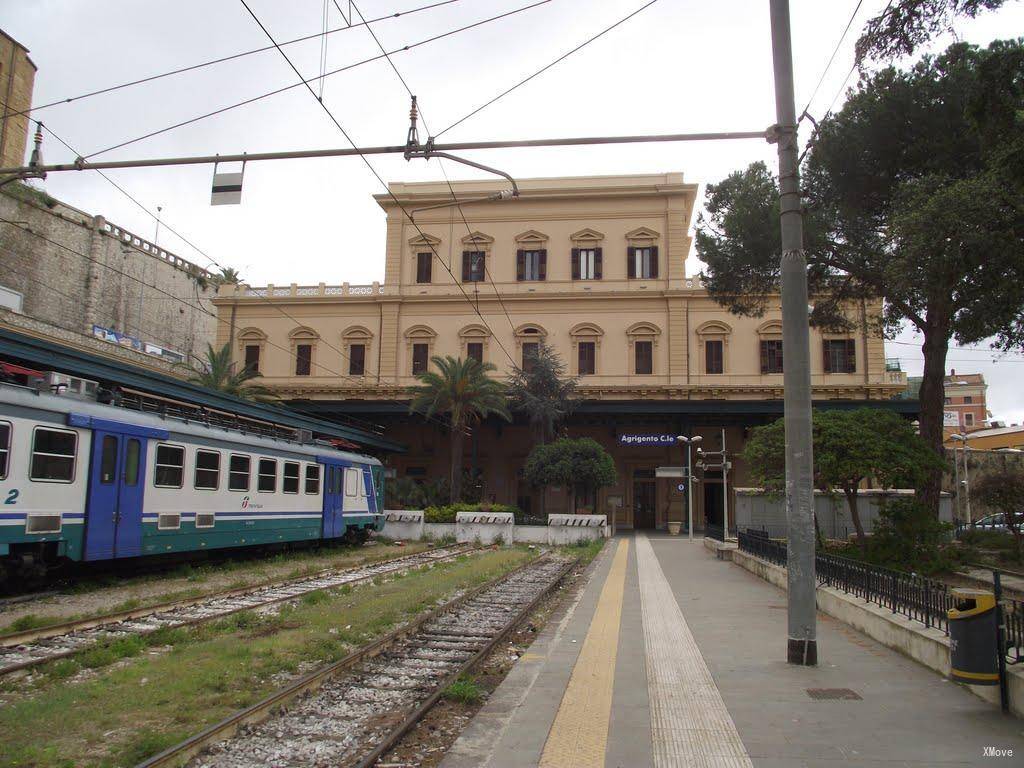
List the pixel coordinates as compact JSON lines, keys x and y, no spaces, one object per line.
{"x":205,"y":519}
{"x":266,"y":482}
{"x":207,"y":476}
{"x":108,"y":460}
{"x":169,"y":469}
{"x":5,"y":447}
{"x":313,"y":478}
{"x":53,"y":455}
{"x":238,"y":472}
{"x":131,"y":461}
{"x":290,"y":477}
{"x":352,"y":482}
{"x":168,"y":521}
{"x":335,"y":479}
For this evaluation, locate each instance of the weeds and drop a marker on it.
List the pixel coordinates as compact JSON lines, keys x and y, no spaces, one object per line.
{"x":464,"y":690}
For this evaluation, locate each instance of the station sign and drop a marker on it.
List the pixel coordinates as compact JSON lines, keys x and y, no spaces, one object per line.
{"x":670,"y":472}
{"x":634,"y":438}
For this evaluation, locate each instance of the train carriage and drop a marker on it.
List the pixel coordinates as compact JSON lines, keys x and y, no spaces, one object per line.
{"x":84,"y":481}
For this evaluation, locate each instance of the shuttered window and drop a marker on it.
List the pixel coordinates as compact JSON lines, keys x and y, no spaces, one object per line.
{"x":587,"y":358}
{"x":586,"y":263}
{"x":252,"y":358}
{"x":475,"y":350}
{"x":472,"y":266}
{"x":423,"y":264}
{"x":303,"y":359}
{"x":419,"y":358}
{"x":644,"y":357}
{"x":713,"y":358}
{"x":531,"y":265}
{"x":642,"y":263}
{"x":840,"y":355}
{"x":357,"y":359}
{"x":771,"y":356}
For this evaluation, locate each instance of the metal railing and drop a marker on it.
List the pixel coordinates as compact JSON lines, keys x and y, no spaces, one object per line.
{"x":716,"y":532}
{"x":916,"y":597}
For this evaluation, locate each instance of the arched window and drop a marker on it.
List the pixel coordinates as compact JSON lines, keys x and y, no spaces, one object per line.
{"x":586,"y":348}
{"x":251,"y":344}
{"x":474,"y":340}
{"x":419,"y":342}
{"x":356,"y":341}
{"x":770,"y":347}
{"x":303,"y":346}
{"x":643,"y":343}
{"x":528,"y":341}
{"x":713,"y":337}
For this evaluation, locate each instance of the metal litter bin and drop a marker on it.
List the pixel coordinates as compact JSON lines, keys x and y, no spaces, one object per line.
{"x":972,"y":637}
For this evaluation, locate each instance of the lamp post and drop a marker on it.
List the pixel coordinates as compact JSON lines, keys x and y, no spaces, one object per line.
{"x":966,"y":481}
{"x":689,"y":479}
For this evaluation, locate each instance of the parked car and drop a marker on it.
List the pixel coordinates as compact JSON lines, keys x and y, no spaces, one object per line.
{"x":996,"y":522}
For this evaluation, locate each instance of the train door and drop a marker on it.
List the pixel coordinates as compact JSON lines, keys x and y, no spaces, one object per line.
{"x":113,"y":513}
{"x":357,"y":483}
{"x":334,"y":524}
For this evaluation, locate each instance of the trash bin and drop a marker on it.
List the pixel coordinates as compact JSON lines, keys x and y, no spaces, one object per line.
{"x":972,"y":637}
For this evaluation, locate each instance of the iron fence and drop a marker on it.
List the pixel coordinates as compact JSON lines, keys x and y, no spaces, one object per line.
{"x":916,"y":597}
{"x":716,"y":532}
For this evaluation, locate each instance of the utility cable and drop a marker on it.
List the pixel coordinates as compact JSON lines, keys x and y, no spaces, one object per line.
{"x":832,"y":58}
{"x":306,"y":82}
{"x":545,"y":68}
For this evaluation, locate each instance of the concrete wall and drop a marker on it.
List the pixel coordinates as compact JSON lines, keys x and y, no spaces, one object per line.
{"x":928,"y":646}
{"x":756,"y":509}
{"x":89,"y":272}
{"x":487,"y":528}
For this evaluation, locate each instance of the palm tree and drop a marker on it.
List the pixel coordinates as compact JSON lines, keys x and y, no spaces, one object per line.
{"x":218,"y":372}
{"x":543,"y":392}
{"x":461,"y":389}
{"x":228,"y":276}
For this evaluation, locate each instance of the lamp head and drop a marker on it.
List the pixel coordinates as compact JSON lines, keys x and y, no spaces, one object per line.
{"x":696,"y":438}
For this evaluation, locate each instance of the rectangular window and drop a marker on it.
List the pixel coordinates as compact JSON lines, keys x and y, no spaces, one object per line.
{"x":588,"y":264}
{"x":357,"y":359}
{"x":169,"y":469}
{"x":131,"y":461}
{"x":238,"y":472}
{"x":968,"y":399}
{"x":423,"y":264}
{"x":266,"y":476}
{"x":352,"y":481}
{"x":290,"y":477}
{"x":644,"y":357}
{"x":312,"y":478}
{"x":303,"y":359}
{"x":5,"y":448}
{"x":252,"y":357}
{"x":53,"y":455}
{"x":643,"y":262}
{"x":529,"y":355}
{"x":475,"y":350}
{"x":205,"y":519}
{"x":968,"y":419}
{"x":587,"y":358}
{"x":840,"y":356}
{"x":531,"y":265}
{"x":419,"y":358}
{"x":771,"y":356}
{"x":108,"y":460}
{"x":473,"y":266}
{"x":946,"y":401}
{"x":207,"y":476}
{"x":713,"y":357}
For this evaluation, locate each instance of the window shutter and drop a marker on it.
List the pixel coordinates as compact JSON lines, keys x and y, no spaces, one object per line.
{"x":465,"y":266}
{"x":827,"y":357}
{"x":542,"y":264}
{"x":575,"y":263}
{"x":764,"y":357}
{"x":520,"y":264}
{"x":654,"y":261}
{"x":597,"y":263}
{"x":631,"y":261}
{"x":851,"y":356}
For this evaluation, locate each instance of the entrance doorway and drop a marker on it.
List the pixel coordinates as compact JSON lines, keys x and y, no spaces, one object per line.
{"x":644,"y":499}
{"x":714,"y":502}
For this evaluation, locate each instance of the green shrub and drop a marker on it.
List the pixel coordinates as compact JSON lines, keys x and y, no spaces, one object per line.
{"x":909,"y":538}
{"x":448,"y":512}
{"x":464,"y":690}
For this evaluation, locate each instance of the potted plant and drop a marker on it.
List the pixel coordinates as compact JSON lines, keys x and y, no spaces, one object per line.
{"x":674,"y":526}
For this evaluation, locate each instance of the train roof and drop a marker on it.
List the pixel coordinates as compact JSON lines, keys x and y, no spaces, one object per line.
{"x":32,"y":399}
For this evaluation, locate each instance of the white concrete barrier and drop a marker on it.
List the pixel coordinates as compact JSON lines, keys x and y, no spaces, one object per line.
{"x":531,"y":534}
{"x":575,"y":529}
{"x":403,"y":524}
{"x":485,"y":527}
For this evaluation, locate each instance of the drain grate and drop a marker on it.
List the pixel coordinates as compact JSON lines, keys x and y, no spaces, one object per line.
{"x":833,"y":694}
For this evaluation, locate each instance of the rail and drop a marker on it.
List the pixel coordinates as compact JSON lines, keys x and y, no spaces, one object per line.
{"x":716,"y":532}
{"x":917,"y":597}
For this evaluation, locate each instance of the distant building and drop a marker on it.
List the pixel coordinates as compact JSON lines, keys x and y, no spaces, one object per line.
{"x":17,"y":77}
{"x":994,"y":439}
{"x":964,"y":406}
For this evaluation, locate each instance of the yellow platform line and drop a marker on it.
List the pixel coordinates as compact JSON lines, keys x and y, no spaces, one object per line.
{"x":579,"y":735}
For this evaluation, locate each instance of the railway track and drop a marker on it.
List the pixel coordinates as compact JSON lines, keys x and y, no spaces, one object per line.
{"x":353,"y":711}
{"x":32,"y":647}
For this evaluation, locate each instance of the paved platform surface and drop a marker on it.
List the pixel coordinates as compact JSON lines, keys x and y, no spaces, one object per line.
{"x":670,"y":657}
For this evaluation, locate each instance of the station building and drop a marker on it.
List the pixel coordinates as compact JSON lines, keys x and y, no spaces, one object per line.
{"x":595,"y":266}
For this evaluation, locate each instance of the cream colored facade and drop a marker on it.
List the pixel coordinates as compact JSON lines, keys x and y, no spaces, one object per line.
{"x":622,"y":314}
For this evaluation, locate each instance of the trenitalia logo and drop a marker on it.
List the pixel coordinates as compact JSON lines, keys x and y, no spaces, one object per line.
{"x":245,"y":502}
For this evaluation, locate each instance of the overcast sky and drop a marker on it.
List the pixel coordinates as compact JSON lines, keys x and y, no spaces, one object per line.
{"x":678,"y":66}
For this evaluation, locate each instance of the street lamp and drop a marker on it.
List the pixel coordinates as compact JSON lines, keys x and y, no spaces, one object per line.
{"x":966,"y":482}
{"x":689,"y":479}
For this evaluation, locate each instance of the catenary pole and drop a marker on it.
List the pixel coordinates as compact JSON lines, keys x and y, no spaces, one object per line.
{"x":802,"y":644}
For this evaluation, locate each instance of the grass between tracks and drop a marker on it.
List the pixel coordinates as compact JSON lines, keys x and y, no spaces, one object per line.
{"x":189,"y":581}
{"x":156,"y":697}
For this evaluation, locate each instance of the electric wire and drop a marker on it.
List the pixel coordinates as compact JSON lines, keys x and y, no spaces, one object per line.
{"x":373,"y":170}
{"x":306,"y":82}
{"x":832,"y":58}
{"x":222,"y":59}
{"x":545,"y":68}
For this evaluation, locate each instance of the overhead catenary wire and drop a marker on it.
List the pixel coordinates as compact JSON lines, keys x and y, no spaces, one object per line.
{"x":546,"y":67}
{"x":373,"y":170}
{"x":222,"y":59}
{"x":306,"y":82}
{"x":831,"y":59}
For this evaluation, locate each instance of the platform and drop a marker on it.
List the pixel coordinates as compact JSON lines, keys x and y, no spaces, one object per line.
{"x":671,"y":657}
